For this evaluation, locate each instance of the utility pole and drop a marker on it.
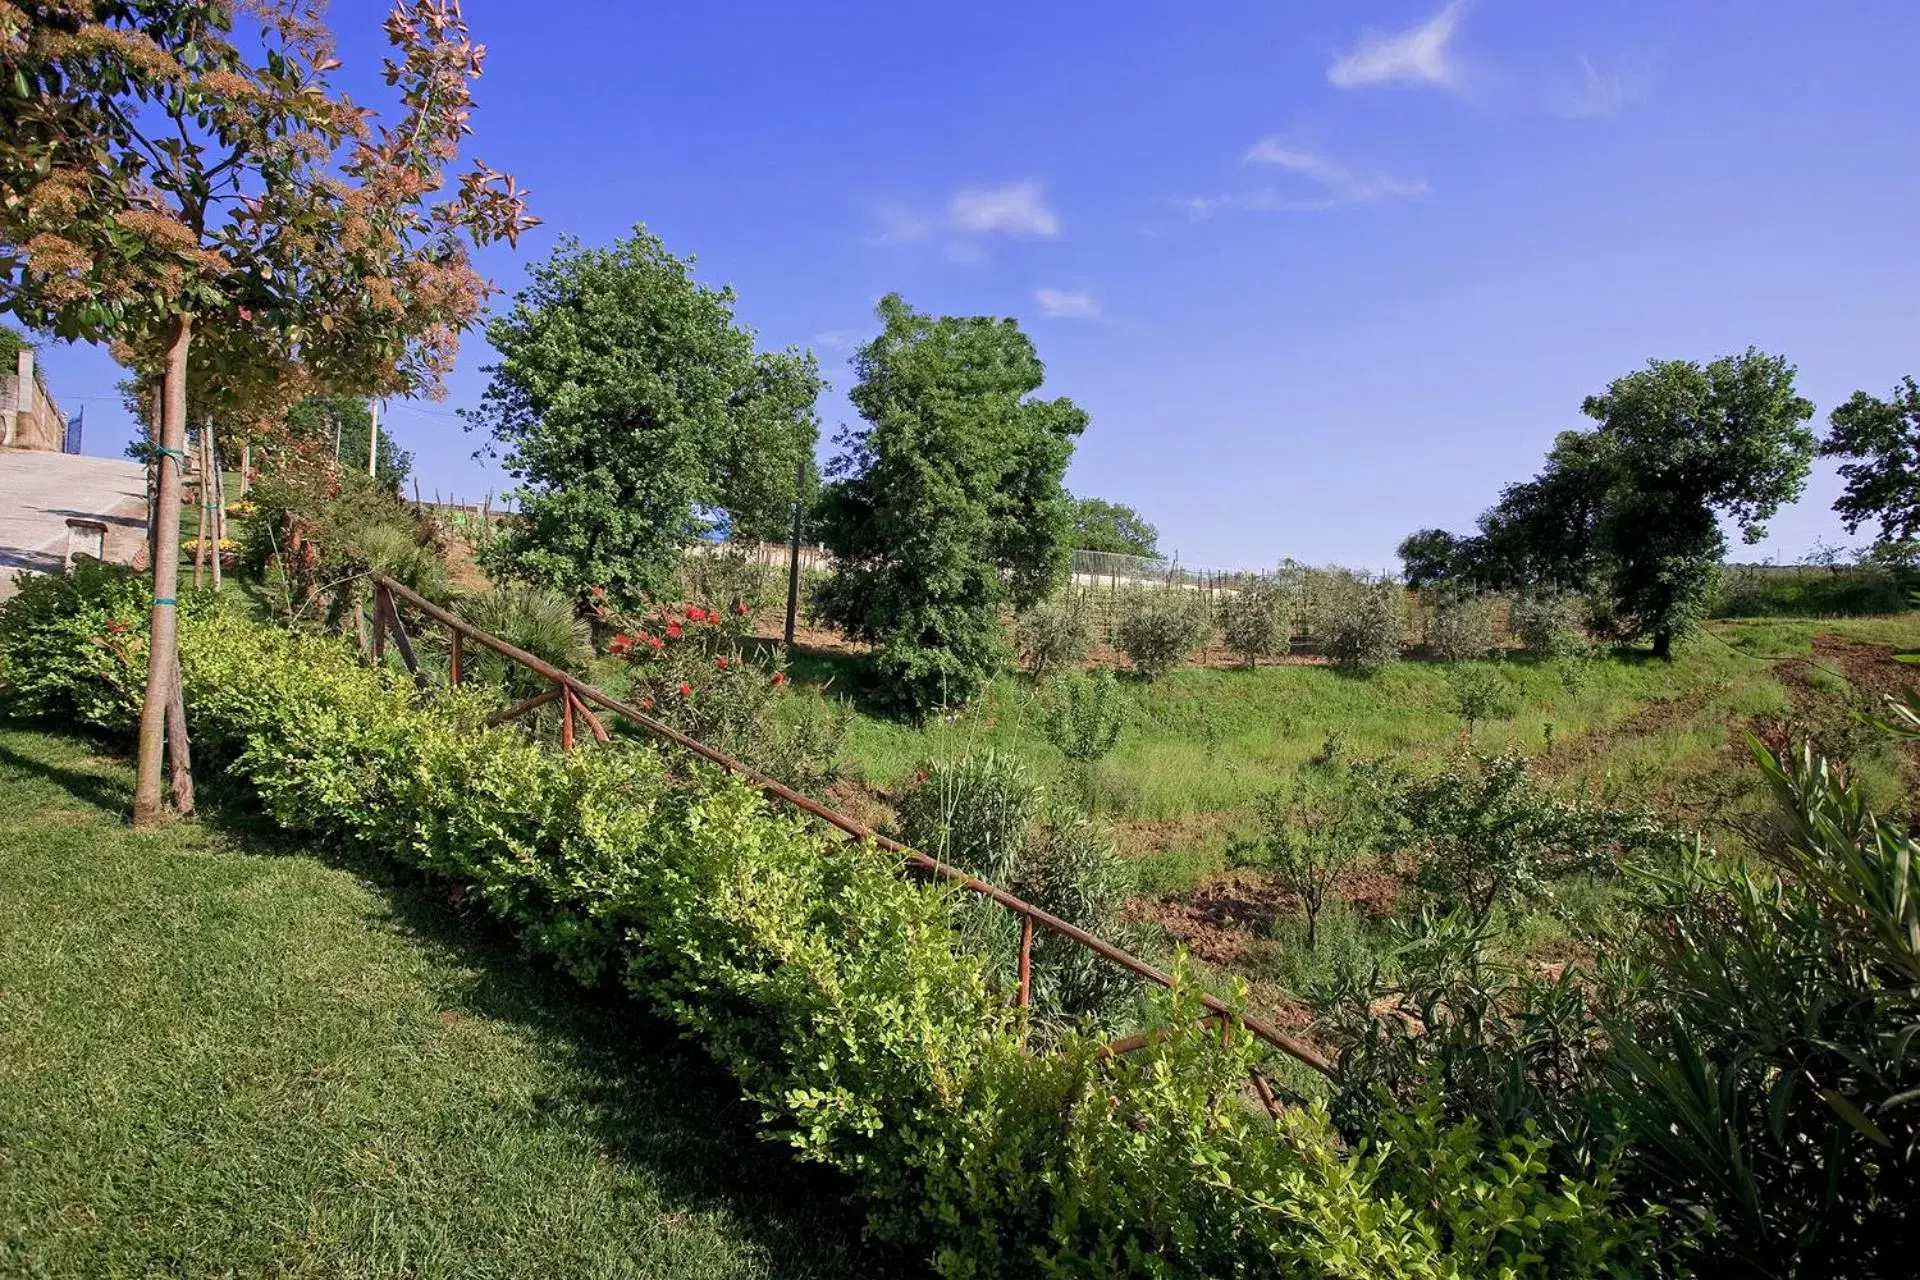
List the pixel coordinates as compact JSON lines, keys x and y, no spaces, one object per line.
{"x":793,"y":550}
{"x":373,"y":433}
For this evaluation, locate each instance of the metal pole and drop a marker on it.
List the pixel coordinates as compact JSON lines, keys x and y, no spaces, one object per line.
{"x":373,"y":433}
{"x":793,"y":549}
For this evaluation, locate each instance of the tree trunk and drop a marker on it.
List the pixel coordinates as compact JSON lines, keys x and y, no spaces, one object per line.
{"x":1663,"y":645}
{"x":179,"y":750}
{"x":246,"y":469}
{"x":216,"y":501}
{"x":163,"y":629}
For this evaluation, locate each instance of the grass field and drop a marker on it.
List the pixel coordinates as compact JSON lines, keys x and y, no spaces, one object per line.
{"x":223,"y":1057}
{"x":1203,"y":744}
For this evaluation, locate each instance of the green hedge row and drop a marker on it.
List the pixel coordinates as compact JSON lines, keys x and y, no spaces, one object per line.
{"x":832,"y":988}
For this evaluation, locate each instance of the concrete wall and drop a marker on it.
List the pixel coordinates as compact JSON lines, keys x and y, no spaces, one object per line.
{"x":29,"y":419}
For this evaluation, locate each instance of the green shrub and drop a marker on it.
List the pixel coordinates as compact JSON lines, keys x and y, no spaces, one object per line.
{"x":1548,"y":623}
{"x":75,"y":646}
{"x":545,"y":623}
{"x":1255,"y":619}
{"x":1158,"y":628}
{"x":1086,"y":713}
{"x":1792,"y":591}
{"x":727,"y":579}
{"x":1051,"y":636}
{"x":972,"y":812}
{"x":1359,"y":621}
{"x":1462,"y":629}
{"x":1332,"y":814}
{"x":1069,"y":867}
{"x":1480,"y":693}
{"x":833,"y":989}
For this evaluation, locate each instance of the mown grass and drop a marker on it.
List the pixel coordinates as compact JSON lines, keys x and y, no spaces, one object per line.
{"x":220,"y":1057}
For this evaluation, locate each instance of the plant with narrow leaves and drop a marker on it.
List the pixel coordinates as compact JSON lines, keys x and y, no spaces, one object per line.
{"x":1255,"y":619}
{"x":1158,"y":628}
{"x":1359,"y":621}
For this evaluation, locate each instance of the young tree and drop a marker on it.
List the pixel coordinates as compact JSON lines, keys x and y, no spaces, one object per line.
{"x":1099,"y":525}
{"x":947,"y":507}
{"x":158,"y":182}
{"x":636,"y":414}
{"x":1329,"y":817}
{"x":1881,"y":439}
{"x":1681,"y":447}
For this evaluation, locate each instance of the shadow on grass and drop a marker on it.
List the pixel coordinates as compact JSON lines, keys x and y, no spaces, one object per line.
{"x":639,"y":1091}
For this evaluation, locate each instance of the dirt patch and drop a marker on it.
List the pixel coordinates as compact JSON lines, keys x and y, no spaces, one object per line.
{"x":1228,"y":919}
{"x":864,"y":804}
{"x":1650,"y":720}
{"x":1871,"y":668}
{"x":1144,"y":837}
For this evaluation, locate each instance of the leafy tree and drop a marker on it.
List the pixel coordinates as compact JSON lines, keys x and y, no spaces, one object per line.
{"x":1681,"y":447}
{"x":946,"y":508}
{"x":637,"y":416}
{"x":1159,"y":627}
{"x":1331,"y":815}
{"x":1636,"y":503}
{"x":1256,"y":619}
{"x":1882,"y":440}
{"x":1432,"y":556}
{"x":1099,"y":525}
{"x":157,"y":182}
{"x":1051,"y":636}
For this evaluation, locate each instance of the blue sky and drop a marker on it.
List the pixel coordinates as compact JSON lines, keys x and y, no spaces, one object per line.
{"x":1322,"y":273}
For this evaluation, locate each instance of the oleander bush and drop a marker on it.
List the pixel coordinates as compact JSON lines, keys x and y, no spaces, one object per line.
{"x":839,"y":995}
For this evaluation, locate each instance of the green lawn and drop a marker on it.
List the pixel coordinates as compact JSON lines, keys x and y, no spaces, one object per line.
{"x":221,"y":1057}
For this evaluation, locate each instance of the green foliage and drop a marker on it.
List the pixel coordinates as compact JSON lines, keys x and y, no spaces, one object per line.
{"x":1480,"y":693}
{"x":545,"y":623}
{"x":1547,"y":622}
{"x":1881,"y":441}
{"x":339,"y":426}
{"x":972,"y":812}
{"x":727,"y":578}
{"x":1332,"y":815}
{"x":1086,"y":713}
{"x":633,"y":409}
{"x":1432,"y":557}
{"x":1158,"y":628}
{"x":1635,"y":505}
{"x":832,"y":988}
{"x":1050,"y":636}
{"x":1359,"y":621}
{"x":1462,"y":628}
{"x":11,"y":345}
{"x":1113,"y":527}
{"x":1256,"y":619}
{"x":1069,"y":868}
{"x":947,"y":507}
{"x":1490,"y":837}
{"x":1865,"y":589}
{"x":75,"y":646}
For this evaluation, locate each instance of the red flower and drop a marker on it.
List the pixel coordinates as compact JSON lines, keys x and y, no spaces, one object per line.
{"x":673,"y":631}
{"x":599,"y":611}
{"x":720,"y":663}
{"x":621,"y":645}
{"x":696,"y":614}
{"x":599,"y":593}
{"x":741,"y":608}
{"x":646,"y":704}
{"x":779,"y":678}
{"x":657,"y":643}
{"x":920,"y":776}
{"x":686,"y":690}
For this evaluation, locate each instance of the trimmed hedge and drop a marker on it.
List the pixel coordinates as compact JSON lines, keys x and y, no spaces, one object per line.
{"x":836,"y":993}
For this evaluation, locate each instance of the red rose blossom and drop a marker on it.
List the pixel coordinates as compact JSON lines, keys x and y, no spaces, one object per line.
{"x":686,"y":690}
{"x":779,"y":678}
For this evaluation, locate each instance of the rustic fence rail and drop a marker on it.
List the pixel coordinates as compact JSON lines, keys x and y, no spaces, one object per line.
{"x":578,"y":701}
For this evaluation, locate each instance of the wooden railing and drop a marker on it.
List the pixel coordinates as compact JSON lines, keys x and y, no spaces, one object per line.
{"x":578,"y":700}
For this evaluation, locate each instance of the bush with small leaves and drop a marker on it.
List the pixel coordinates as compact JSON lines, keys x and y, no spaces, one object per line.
{"x":1051,"y":636}
{"x":1548,"y":622}
{"x":1255,"y":620}
{"x":1462,"y":629}
{"x":1480,"y":693}
{"x":1158,"y":628}
{"x":1332,"y":814}
{"x":1359,"y":620}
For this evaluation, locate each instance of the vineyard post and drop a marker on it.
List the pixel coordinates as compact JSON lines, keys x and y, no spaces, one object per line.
{"x":793,"y":549}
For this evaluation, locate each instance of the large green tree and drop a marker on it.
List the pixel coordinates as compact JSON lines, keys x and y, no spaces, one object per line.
{"x":638,"y":417}
{"x":1635,"y":505}
{"x":1099,"y":525}
{"x":946,"y":507}
{"x":1881,"y":440}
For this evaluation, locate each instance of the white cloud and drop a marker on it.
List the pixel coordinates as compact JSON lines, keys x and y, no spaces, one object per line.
{"x":901,"y":225}
{"x":1067,"y":304}
{"x":1601,"y":93}
{"x":1014,"y":209}
{"x":1328,"y":185}
{"x":1416,"y":56}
